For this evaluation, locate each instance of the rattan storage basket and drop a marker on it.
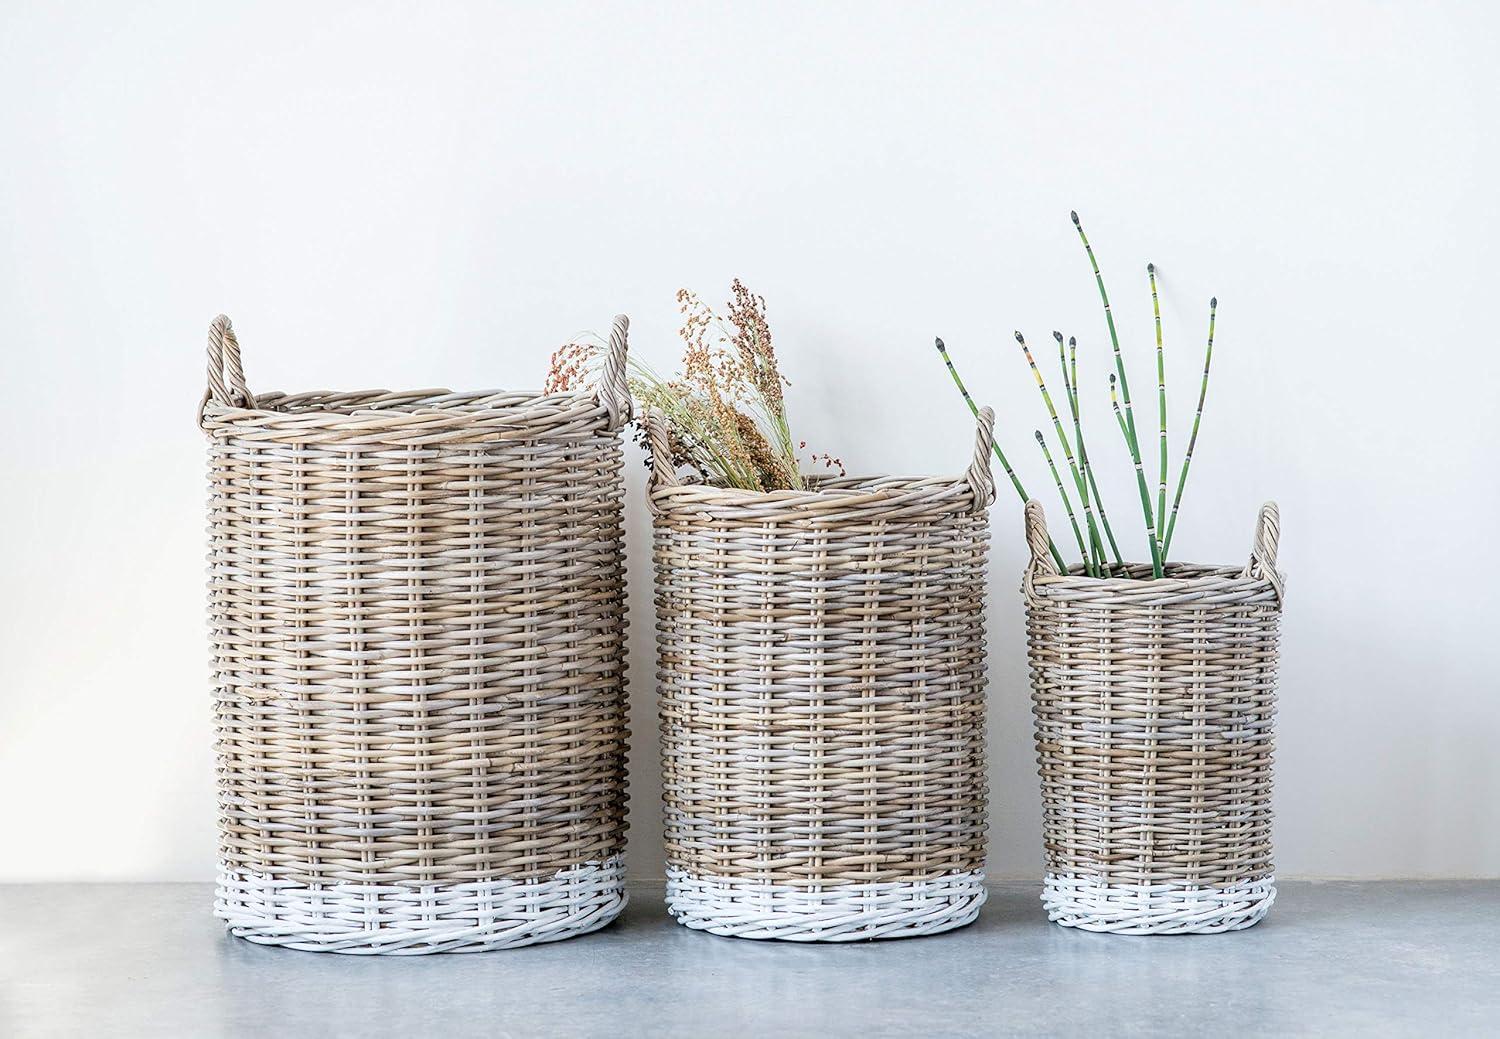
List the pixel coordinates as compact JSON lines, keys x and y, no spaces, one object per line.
{"x":417,"y":612}
{"x":1154,"y":703}
{"x":821,"y":677}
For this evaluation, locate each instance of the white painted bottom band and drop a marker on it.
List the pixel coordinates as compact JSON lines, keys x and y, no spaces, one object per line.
{"x":402,"y":919}
{"x":837,"y":913}
{"x":1085,"y":902}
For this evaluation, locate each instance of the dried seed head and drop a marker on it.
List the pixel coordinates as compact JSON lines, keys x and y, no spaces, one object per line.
{"x":572,"y":365}
{"x":728,"y":402}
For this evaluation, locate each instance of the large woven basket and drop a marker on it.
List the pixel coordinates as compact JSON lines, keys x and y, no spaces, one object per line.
{"x":1154,"y":703}
{"x":821,"y":676}
{"x":417,"y":612}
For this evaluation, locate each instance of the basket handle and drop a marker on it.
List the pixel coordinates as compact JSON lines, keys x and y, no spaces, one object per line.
{"x":659,"y":438}
{"x":613,"y":390}
{"x":1262,"y":563}
{"x":1039,"y":542}
{"x":979,"y":475}
{"x":226,"y":375}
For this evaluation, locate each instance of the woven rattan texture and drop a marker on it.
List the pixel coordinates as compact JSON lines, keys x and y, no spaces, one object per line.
{"x":1154,"y":703}
{"x":417,"y":617}
{"x":821,"y":678}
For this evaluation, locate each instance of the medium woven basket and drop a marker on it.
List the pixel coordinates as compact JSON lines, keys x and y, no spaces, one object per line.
{"x":821,"y":677}
{"x":1154,"y":703}
{"x":417,"y":612}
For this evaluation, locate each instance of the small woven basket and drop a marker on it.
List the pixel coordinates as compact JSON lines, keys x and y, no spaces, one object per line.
{"x":1154,"y":703}
{"x":417,"y":613}
{"x":821,"y":677}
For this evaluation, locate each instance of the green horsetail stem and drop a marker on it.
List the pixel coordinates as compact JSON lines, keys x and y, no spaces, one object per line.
{"x":1097,"y":558}
{"x":1015,"y":481}
{"x":1062,"y":365}
{"x":974,"y":409}
{"x":1067,"y":505}
{"x":1109,"y":318}
{"x":1062,"y":437}
{"x":1140,"y":479}
{"x":1083,"y":454}
{"x":1096,"y":555}
{"x":1161,"y":398}
{"x":1187,"y":459}
{"x":1114,"y":401}
{"x":1129,"y":416}
{"x":1073,"y":360}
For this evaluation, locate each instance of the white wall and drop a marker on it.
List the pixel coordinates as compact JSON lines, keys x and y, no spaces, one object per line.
{"x":430,"y":194}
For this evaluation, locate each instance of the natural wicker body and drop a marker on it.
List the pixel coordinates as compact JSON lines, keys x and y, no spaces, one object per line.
{"x":417,"y":614}
{"x":1154,"y":703}
{"x":821,"y":677}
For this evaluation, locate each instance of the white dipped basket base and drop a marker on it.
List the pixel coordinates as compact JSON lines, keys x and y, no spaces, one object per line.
{"x":840,"y":913}
{"x":404,"y":919}
{"x":1086,"y":903}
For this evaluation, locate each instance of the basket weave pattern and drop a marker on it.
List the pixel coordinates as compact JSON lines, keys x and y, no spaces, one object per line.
{"x":417,"y":616}
{"x":821,"y":679}
{"x":1154,"y":703}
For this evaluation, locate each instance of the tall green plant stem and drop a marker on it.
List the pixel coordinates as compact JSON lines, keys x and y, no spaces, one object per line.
{"x":1109,"y":318}
{"x":1083,"y":454}
{"x":1140,"y":479}
{"x":1015,"y":481}
{"x":1062,"y":437}
{"x":1161,"y":401}
{"x":1067,"y":503}
{"x":1129,"y":414}
{"x":1187,"y":459}
{"x":1096,"y":558}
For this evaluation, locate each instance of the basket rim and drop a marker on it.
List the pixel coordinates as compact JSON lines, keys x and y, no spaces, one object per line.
{"x":381,"y":410}
{"x":825,"y":495}
{"x":1184,"y":589}
{"x":408,"y":416}
{"x":1204,"y":585}
{"x":828,"y":498}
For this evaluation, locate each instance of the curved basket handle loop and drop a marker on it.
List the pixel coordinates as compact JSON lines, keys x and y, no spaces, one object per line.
{"x":1263,"y":553}
{"x":1039,"y":542}
{"x":613,"y":390}
{"x":226,"y":375}
{"x":663,"y":472}
{"x":979,"y":476}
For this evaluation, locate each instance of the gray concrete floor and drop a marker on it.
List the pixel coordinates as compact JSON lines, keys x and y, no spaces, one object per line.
{"x":1331,"y":959}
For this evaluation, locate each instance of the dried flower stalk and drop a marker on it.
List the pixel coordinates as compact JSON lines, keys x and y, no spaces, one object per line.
{"x":726,"y":411}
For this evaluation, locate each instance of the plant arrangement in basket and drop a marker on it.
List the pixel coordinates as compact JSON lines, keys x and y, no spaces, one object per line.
{"x":1095,"y":536}
{"x":726,"y":410}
